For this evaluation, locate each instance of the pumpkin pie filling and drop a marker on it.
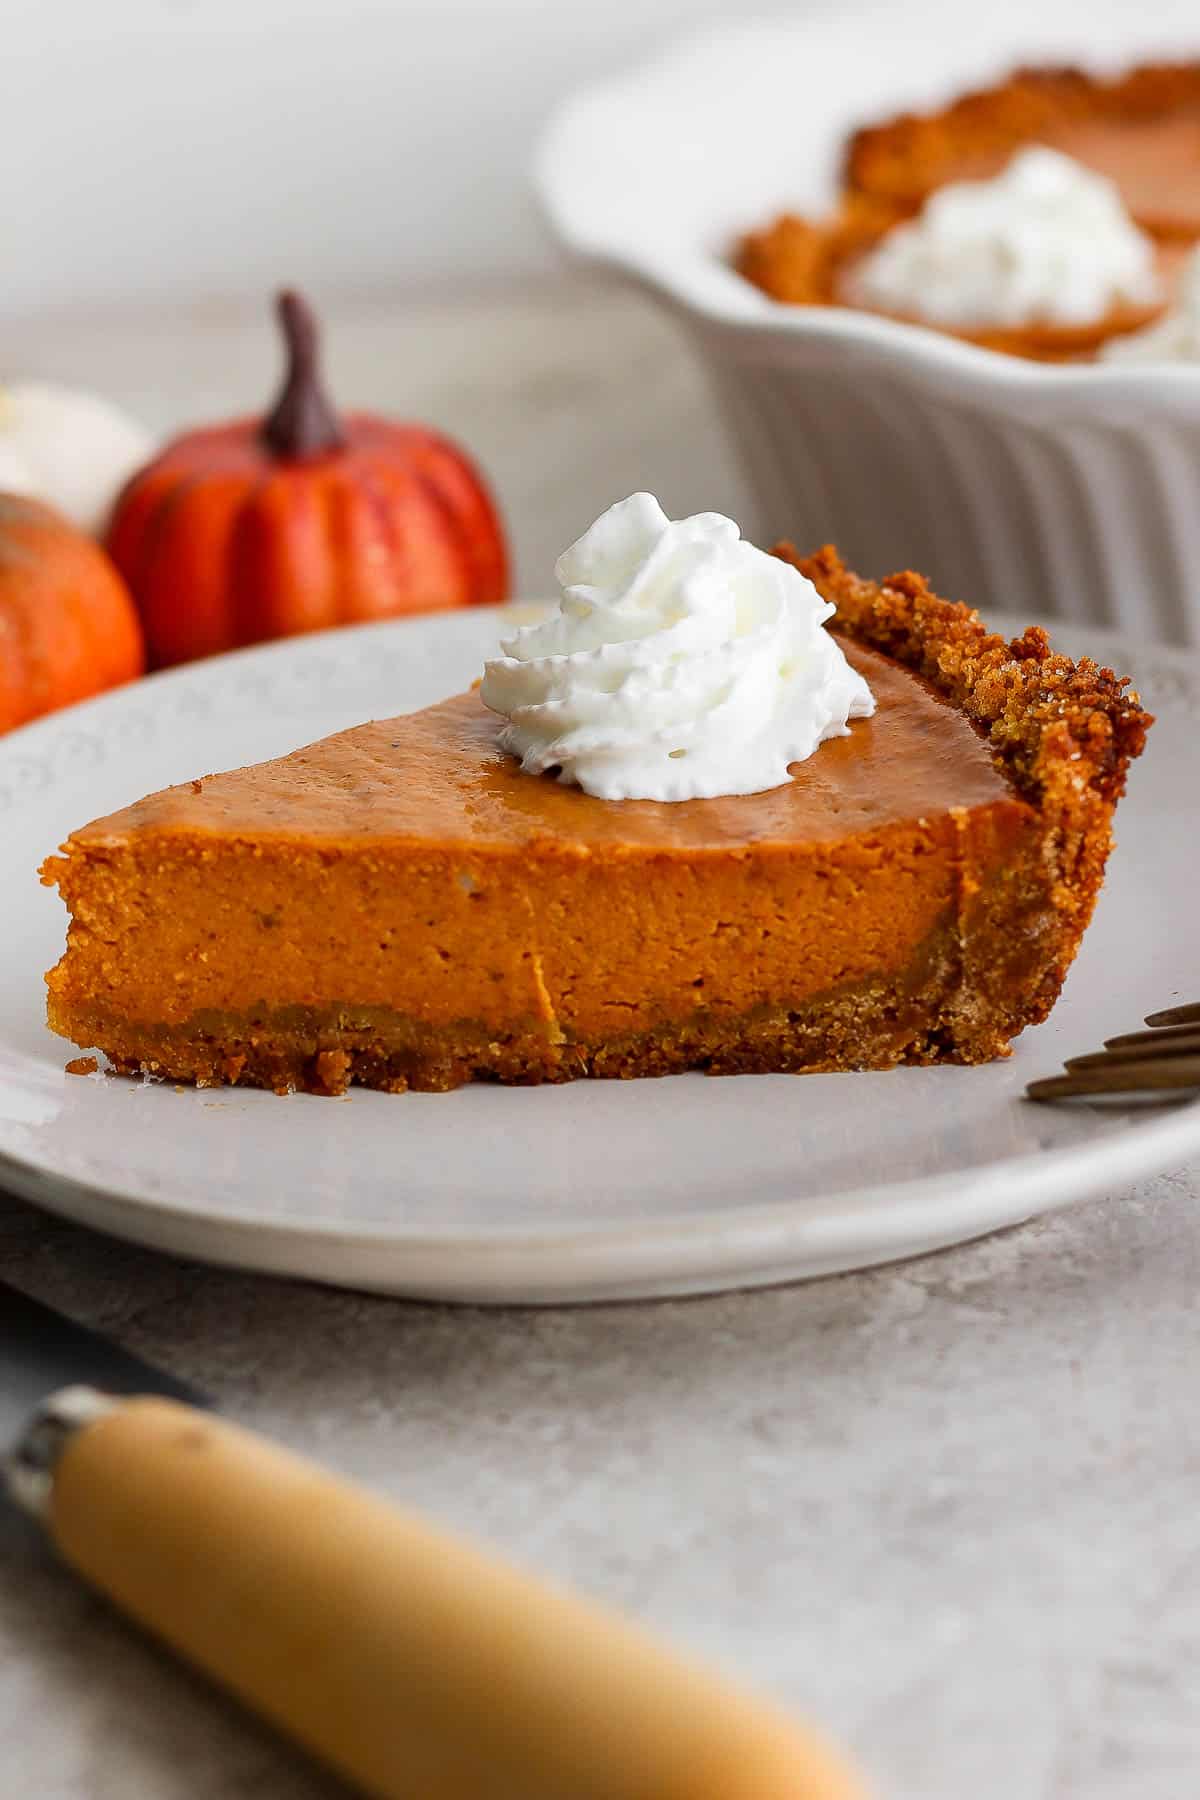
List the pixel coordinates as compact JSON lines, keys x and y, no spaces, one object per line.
{"x":400,"y":905}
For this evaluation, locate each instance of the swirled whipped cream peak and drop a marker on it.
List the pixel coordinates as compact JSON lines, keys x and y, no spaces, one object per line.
{"x":682,"y":664}
{"x":1173,"y":338}
{"x":1046,"y":242}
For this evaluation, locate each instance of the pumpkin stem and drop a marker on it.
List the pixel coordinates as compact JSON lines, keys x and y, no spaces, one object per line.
{"x":302,"y":422}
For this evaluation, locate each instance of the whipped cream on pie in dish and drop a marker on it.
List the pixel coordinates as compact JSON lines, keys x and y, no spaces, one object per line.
{"x":682,"y":663}
{"x":1046,"y":242}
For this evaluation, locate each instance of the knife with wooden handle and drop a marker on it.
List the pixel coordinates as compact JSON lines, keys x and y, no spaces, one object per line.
{"x":415,"y":1664}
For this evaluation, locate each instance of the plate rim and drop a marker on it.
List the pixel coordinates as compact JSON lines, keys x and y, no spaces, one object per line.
{"x":1159,"y":1132}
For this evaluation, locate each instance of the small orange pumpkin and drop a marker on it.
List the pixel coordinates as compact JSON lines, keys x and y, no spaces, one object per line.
{"x":264,"y":528}
{"x":68,"y":627}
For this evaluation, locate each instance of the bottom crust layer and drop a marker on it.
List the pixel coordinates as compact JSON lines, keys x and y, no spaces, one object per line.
{"x":876,"y":1026}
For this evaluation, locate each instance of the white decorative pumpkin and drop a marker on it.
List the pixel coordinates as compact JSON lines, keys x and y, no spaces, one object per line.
{"x":69,"y":448}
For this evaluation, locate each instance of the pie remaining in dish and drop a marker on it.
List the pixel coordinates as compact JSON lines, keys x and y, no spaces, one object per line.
{"x":400,"y":906}
{"x":1141,"y":131}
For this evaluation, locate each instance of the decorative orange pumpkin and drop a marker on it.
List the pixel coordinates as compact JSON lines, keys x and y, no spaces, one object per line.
{"x":68,"y":627}
{"x":263,"y":528}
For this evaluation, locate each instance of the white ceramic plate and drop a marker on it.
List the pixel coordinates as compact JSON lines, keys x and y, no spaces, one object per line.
{"x":592,"y":1190}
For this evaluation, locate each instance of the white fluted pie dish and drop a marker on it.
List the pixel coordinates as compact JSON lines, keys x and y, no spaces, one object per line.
{"x":1058,"y":490}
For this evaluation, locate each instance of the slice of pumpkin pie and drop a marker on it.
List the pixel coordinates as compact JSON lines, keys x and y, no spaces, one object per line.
{"x":842,"y":846}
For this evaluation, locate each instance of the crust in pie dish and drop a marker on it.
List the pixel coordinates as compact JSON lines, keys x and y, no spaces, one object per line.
{"x":1141,"y":129}
{"x":399,"y":906}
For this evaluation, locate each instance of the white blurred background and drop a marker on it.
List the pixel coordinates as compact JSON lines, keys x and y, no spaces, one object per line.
{"x":167,"y":164}
{"x":162,"y":150}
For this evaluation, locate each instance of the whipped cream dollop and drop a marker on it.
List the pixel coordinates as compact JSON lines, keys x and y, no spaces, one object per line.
{"x":682,"y":664}
{"x":1045,"y":242}
{"x":1173,"y":338}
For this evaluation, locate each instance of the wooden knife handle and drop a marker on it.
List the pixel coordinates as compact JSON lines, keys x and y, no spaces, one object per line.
{"x":416,"y":1665}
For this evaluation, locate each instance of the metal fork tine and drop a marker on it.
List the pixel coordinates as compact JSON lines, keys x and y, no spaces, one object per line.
{"x":1150,"y":1049}
{"x":1118,"y":1076}
{"x":1177,"y":1015}
{"x":1184,"y":1035}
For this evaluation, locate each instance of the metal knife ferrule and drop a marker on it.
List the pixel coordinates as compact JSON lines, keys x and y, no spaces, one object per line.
{"x":28,"y":1470}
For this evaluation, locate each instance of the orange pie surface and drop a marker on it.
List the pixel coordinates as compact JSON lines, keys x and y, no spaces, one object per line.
{"x":1141,"y":129}
{"x":400,"y":905}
